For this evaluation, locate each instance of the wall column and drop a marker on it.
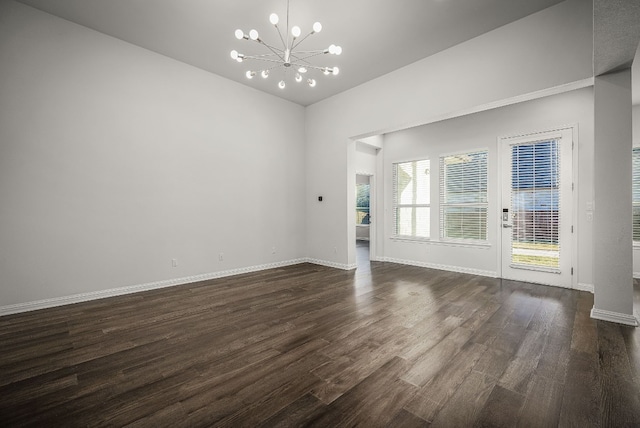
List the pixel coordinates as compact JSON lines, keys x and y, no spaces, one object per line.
{"x":612,"y":230}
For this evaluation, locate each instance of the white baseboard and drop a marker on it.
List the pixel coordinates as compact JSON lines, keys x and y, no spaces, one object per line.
{"x":84,"y":297}
{"x":616,"y":317}
{"x":584,"y":287}
{"x":94,"y":295}
{"x":331,"y":264}
{"x":636,"y":275}
{"x":449,"y":268}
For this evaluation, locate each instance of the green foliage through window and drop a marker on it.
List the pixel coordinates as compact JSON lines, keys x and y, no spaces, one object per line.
{"x":362,"y":203}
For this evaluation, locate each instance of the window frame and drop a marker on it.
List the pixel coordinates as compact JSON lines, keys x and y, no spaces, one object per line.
{"x":394,"y":203}
{"x":443,"y":205}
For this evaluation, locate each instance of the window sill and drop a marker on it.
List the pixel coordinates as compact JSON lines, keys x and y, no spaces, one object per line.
{"x":410,"y":239}
{"x":449,"y":243}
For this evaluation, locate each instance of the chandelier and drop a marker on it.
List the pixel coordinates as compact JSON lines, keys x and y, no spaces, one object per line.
{"x":288,"y":57}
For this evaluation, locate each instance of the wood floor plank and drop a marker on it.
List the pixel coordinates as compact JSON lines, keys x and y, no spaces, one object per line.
{"x":437,"y":391}
{"x":372,"y":402}
{"x":581,"y":399}
{"x":298,"y":413}
{"x":405,"y":419}
{"x":463,"y":408}
{"x":432,"y":361}
{"x":521,"y":367}
{"x":615,"y":378}
{"x":501,"y":409}
{"x":542,"y":404}
{"x":307,"y":345}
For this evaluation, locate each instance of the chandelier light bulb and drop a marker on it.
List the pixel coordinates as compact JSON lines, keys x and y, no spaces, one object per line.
{"x":335,"y":71}
{"x":240,"y":58}
{"x":239,"y":34}
{"x":338,"y":50}
{"x":302,"y":70}
{"x":326,"y":71}
{"x":234,"y":54}
{"x":265,"y":74}
{"x":273,"y":18}
{"x":298,"y":78}
{"x":317,"y":27}
{"x":312,"y":82}
{"x":281,"y":85}
{"x":332,"y":49}
{"x":250,"y":74}
{"x":253,"y":34}
{"x":296,"y":31}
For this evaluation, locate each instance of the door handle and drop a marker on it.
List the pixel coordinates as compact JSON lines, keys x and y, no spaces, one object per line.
{"x":506,"y":225}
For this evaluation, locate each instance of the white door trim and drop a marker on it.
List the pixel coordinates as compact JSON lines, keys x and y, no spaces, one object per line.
{"x":500,"y":140}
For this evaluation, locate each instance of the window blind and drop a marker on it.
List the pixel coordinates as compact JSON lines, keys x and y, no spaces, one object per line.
{"x":463,"y":196}
{"x":411,"y":198}
{"x":535,"y":204}
{"x":635,"y":159}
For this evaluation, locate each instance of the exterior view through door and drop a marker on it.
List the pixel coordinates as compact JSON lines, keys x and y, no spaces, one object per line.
{"x":537,"y":210}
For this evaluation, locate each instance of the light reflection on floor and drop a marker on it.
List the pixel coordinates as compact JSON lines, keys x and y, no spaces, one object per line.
{"x":362,"y":285}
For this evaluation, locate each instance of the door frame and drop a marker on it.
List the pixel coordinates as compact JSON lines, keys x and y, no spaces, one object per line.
{"x":500,"y":141}
{"x":372,"y":213}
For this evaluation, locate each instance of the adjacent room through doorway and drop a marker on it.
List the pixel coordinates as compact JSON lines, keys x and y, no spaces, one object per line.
{"x":363,"y":219}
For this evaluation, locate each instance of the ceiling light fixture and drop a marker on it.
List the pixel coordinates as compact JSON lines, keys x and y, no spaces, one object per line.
{"x":287,"y":56}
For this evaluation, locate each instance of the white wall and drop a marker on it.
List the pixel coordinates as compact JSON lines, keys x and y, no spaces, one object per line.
{"x":365,"y":160}
{"x":114,"y":160}
{"x":482,"y":131}
{"x":546,"y":49}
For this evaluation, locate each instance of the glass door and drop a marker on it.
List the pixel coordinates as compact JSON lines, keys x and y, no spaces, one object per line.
{"x":536,"y":215}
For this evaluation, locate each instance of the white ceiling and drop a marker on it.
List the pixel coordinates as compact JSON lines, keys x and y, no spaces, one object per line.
{"x":377,"y":36}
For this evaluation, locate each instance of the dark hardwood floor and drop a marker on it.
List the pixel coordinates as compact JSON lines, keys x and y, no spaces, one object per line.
{"x":386,"y":345}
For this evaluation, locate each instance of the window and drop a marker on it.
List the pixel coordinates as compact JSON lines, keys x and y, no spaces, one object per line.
{"x":535,"y":204}
{"x":411,"y":199}
{"x":635,"y":158}
{"x":463,"y":196}
{"x":362,"y":203}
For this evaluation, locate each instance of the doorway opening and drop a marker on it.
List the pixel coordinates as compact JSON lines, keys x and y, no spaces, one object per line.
{"x":363,"y":219}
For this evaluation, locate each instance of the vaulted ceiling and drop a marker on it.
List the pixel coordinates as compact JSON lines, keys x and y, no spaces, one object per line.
{"x":377,"y":36}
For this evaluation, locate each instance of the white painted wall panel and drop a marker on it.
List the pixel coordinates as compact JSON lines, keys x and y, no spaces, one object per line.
{"x":115,"y":160}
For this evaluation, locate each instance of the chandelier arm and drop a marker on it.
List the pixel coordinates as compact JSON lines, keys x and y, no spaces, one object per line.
{"x":306,"y":57}
{"x":307,"y":65}
{"x":295,"y":45}
{"x":262,"y":42}
{"x":315,"y":51}
{"x":280,"y":34}
{"x":260,"y":58}
{"x":273,"y":49}
{"x":266,"y":55}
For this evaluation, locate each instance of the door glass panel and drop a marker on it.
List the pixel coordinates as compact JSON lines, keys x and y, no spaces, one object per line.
{"x":535,"y":199}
